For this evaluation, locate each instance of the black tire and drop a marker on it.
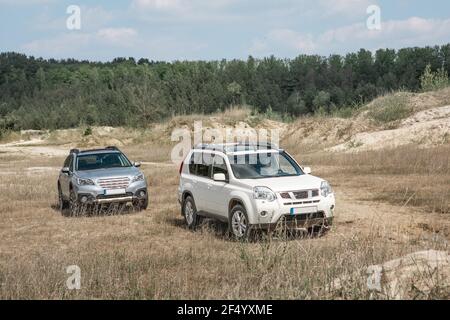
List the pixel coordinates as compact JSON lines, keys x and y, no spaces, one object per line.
{"x":74,"y":205}
{"x":140,"y":205}
{"x":190,"y":213}
{"x":62,"y":204}
{"x":236,"y":226}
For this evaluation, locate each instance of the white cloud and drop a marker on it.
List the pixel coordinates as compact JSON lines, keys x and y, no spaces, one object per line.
{"x":413,"y":31}
{"x":108,"y":43}
{"x":297,"y":41}
{"x":71,"y":44}
{"x":92,"y":18}
{"x":158,"y":4}
{"x":117,"y":36}
{"x":346,"y":7}
{"x":24,"y":2}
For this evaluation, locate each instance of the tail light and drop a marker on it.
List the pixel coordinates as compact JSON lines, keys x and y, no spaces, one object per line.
{"x":181,"y":167}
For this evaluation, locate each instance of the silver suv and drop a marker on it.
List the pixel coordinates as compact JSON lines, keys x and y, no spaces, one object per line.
{"x":100,"y":176}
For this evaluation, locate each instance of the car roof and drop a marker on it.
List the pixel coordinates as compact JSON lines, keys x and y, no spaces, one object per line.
{"x":238,"y":148}
{"x":97,"y":151}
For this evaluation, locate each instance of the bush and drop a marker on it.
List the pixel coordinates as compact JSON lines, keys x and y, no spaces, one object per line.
{"x":88,"y":131}
{"x":390,"y":109}
{"x":431,"y":81}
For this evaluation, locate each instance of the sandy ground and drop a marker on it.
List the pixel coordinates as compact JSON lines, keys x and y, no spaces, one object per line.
{"x":429,"y":127}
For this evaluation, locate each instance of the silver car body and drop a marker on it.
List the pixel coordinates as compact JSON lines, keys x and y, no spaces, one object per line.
{"x":109,"y":184}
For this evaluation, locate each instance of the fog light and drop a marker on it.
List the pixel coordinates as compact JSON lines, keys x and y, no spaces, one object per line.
{"x":263,"y":213}
{"x":84,"y":199}
{"x":142,"y":194}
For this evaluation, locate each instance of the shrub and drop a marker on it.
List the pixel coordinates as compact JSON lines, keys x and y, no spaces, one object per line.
{"x":88,"y":131}
{"x":390,"y":109}
{"x":431,"y":81}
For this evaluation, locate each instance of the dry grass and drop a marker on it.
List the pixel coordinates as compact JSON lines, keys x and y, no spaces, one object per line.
{"x":406,"y":175}
{"x":150,"y":255}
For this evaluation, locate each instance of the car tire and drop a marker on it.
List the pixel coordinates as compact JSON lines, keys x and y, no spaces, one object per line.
{"x":62,"y":204}
{"x":239,"y":225}
{"x":190,"y":213}
{"x":140,"y":205}
{"x":74,"y":205}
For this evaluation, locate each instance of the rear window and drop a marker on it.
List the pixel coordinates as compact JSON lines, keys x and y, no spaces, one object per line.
{"x":200,"y":164}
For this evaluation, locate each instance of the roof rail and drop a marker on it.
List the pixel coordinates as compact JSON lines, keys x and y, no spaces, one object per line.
{"x":230,"y":147}
{"x":112,"y":148}
{"x":76,"y":151}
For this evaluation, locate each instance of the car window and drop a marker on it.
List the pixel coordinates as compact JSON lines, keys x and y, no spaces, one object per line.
{"x":220,"y":166}
{"x":263,"y":165}
{"x":200,"y":165}
{"x":102,"y":161}
{"x":71,"y":164}
{"x":192,"y":165}
{"x":67,"y":161}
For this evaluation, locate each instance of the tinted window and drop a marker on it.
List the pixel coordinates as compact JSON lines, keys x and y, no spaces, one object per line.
{"x":71,"y":164}
{"x":67,"y":161}
{"x":192,"y":166}
{"x":263,"y":165}
{"x":200,"y":164}
{"x":102,"y":161}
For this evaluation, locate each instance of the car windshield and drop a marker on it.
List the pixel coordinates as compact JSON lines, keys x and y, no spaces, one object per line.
{"x":263,"y":165}
{"x":102,"y":161}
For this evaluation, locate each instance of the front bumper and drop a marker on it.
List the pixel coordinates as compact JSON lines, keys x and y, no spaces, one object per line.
{"x":96,"y":195}
{"x":313,"y":211}
{"x":297,"y":223}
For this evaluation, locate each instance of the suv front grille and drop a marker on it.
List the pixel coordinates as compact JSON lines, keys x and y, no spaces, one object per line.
{"x":300,"y":194}
{"x":114,"y":183}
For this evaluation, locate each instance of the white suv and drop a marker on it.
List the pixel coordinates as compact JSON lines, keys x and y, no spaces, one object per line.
{"x":252,"y":187}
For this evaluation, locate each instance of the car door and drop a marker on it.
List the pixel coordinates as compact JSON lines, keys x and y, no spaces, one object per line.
{"x":218,"y":191}
{"x":200,"y":169}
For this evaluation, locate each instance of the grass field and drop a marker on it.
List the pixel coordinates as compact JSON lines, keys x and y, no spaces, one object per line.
{"x":151,"y":255}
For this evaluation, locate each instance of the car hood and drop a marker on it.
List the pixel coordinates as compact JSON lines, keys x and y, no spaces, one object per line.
{"x":279,"y":184}
{"x":109,"y":173}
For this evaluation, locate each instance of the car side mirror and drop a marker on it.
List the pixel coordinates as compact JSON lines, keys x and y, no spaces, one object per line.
{"x":307,"y":170}
{"x":137,"y":164}
{"x":219,"y":177}
{"x":65,"y":170}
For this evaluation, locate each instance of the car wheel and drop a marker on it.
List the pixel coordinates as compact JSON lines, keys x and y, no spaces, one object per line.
{"x":239,"y":224}
{"x":140,"y":205}
{"x":62,"y":204}
{"x":74,"y":207}
{"x":190,"y":213}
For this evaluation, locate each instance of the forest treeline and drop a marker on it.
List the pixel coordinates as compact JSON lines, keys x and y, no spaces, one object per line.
{"x":48,"y":94}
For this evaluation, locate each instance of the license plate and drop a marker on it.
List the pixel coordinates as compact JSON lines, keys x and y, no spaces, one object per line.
{"x":114,"y":192}
{"x":302,"y":210}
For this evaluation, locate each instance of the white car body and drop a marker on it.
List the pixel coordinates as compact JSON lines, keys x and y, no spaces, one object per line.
{"x":307,"y":205}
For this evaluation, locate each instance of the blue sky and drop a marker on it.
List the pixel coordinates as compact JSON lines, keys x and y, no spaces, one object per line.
{"x":215,"y":29}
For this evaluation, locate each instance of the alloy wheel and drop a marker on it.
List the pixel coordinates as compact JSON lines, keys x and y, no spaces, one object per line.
{"x":239,"y":223}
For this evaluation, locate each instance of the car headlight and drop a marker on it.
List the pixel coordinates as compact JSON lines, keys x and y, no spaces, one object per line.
{"x":325,"y":189}
{"x":263,"y":193}
{"x":139,"y":177}
{"x":85,"y":182}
